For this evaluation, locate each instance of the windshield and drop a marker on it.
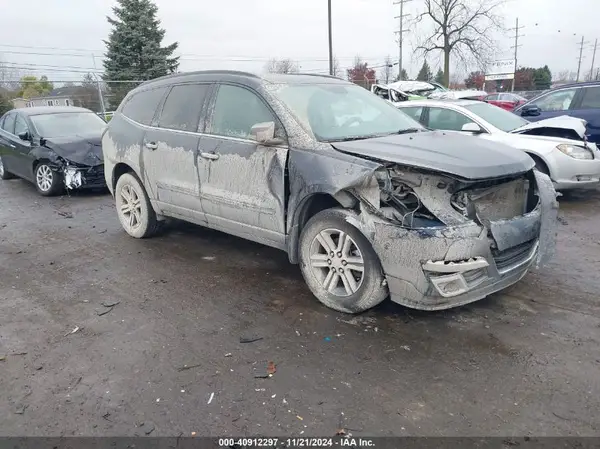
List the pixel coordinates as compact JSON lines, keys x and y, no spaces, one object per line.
{"x":334,"y":112}
{"x":66,"y":124}
{"x":498,"y":117}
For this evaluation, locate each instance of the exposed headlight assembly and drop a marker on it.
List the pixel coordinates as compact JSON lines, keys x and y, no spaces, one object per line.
{"x":575,"y":151}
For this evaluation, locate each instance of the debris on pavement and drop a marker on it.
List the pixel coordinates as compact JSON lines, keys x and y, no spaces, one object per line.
{"x":147,"y":427}
{"x":327,"y":339}
{"x":228,"y":354}
{"x":300,"y":417}
{"x":261,"y":376}
{"x":186,"y":367}
{"x":208,"y":258}
{"x":271,"y":368}
{"x":77,"y":328}
{"x":2,"y":358}
{"x":18,"y":353}
{"x":65,"y":214}
{"x":249,"y":339}
{"x":110,"y":303}
{"x":21,"y":409}
{"x":101,"y":312}
{"x":405,"y":347}
{"x":212,"y":395}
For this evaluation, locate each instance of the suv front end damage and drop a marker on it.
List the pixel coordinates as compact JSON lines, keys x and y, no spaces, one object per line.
{"x":445,"y":242}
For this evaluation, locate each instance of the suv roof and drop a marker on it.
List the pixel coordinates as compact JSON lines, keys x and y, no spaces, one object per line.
{"x":224,"y":75}
{"x":580,"y":84}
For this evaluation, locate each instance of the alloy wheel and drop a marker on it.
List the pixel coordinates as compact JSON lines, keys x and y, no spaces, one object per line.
{"x":44,"y":178}
{"x":1,"y":167}
{"x":336,"y":261}
{"x":131,"y":207}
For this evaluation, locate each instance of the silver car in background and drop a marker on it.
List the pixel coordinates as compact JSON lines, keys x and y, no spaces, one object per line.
{"x":558,"y":145}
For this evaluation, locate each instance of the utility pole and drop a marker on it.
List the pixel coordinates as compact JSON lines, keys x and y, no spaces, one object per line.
{"x":580,"y":57}
{"x":516,"y":47}
{"x":100,"y":97}
{"x":400,"y":32}
{"x":593,"y":60}
{"x":330,"y":38}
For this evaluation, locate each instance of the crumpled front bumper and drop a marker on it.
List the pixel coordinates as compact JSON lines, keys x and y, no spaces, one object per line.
{"x":76,"y":177}
{"x":443,"y":267}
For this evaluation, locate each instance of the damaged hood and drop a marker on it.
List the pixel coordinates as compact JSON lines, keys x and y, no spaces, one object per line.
{"x":564,"y":122}
{"x":455,"y":154}
{"x":80,"y":149}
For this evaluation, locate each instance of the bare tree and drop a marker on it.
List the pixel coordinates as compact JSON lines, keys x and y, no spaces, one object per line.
{"x":460,"y":28}
{"x":386,"y":71}
{"x":337,"y":70}
{"x":565,"y":76}
{"x":281,"y":66}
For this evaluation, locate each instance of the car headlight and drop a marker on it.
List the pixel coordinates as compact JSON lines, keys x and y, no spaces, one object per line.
{"x":575,"y":152}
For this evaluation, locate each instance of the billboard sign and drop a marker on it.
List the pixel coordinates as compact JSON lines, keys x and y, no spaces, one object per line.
{"x":500,"y":70}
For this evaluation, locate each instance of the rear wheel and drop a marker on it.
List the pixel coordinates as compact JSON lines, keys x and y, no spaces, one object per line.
{"x":339,"y":265}
{"x":134,"y":209}
{"x":3,"y":173}
{"x":47,"y":181}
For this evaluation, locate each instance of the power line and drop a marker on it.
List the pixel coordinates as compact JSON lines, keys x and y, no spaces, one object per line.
{"x":400,"y":32}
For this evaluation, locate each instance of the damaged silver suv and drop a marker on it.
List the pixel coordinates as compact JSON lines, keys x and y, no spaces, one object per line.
{"x":367,"y":201}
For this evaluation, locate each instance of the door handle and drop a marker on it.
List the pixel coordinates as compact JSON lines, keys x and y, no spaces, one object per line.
{"x":151,"y":145}
{"x":212,"y":155}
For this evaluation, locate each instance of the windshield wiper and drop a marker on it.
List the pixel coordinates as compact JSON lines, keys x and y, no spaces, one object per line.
{"x":351,"y":138}
{"x":409,"y":131}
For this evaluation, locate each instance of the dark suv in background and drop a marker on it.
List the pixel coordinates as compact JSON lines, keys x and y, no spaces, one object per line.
{"x":581,"y":100}
{"x":365,"y":199}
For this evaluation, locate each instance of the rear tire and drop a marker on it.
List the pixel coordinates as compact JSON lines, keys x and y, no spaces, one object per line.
{"x":339,"y":264}
{"x":3,"y":173}
{"x":47,"y":181}
{"x":135,"y":212}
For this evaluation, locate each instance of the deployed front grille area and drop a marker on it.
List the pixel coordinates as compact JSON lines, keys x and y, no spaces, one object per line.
{"x":509,"y":258}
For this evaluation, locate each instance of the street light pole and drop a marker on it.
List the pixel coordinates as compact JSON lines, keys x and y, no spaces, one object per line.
{"x":330,"y":38}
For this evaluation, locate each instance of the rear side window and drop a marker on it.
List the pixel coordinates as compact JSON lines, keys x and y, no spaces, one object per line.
{"x":591,"y":98}
{"x":21,"y":125}
{"x":414,"y":112}
{"x":183,"y":107}
{"x":9,"y":124}
{"x":142,"y":105}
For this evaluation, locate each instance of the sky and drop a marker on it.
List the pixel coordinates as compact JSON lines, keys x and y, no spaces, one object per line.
{"x":62,"y":35}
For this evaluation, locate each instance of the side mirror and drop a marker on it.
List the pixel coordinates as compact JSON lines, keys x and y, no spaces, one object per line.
{"x":472,"y":128}
{"x":264,"y":134}
{"x":530,"y":110}
{"x":24,"y":136}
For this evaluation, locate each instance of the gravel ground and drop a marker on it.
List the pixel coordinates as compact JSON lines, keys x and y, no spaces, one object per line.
{"x":167,"y":358}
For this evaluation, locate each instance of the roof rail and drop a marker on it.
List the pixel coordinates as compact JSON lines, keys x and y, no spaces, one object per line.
{"x":200,"y":72}
{"x":316,"y":74}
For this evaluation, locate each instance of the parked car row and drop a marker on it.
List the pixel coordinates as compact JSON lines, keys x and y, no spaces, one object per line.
{"x":370,"y":203}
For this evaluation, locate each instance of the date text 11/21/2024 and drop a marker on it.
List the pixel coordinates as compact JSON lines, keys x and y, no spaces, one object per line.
{"x":304,"y":442}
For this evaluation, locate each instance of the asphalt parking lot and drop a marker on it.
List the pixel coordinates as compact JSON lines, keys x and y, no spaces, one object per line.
{"x":166,"y":358}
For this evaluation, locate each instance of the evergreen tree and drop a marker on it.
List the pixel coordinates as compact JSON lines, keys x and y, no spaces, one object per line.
{"x":134,"y":50}
{"x":5,"y":104}
{"x":425,"y":72}
{"x":439,"y":77}
{"x":403,"y":76}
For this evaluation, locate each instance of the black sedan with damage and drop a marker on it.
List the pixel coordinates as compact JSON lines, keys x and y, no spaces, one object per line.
{"x":53,"y":147}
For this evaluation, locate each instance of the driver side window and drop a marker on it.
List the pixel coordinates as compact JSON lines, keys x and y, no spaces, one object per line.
{"x":237,"y":110}
{"x":556,"y":101}
{"x":447,"y":119}
{"x":9,"y":123}
{"x":20,"y":125}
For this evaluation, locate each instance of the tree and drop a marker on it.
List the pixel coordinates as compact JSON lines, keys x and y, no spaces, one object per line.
{"x":439,"y":77}
{"x":386,"y":70}
{"x":5,"y":104}
{"x":542,"y":78}
{"x":360,"y":73}
{"x":403,"y":76}
{"x":462,"y":28}
{"x":425,"y":72}
{"x":475,"y":80}
{"x":134,"y":47}
{"x":281,"y":66}
{"x":337,"y":70}
{"x":524,"y":79}
{"x":30,"y":86}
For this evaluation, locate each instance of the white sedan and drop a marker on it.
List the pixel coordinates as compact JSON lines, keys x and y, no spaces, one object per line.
{"x":558,"y":145}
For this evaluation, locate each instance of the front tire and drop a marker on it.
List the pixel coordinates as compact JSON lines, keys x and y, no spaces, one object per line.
{"x":339,"y":264}
{"x":134,"y":209}
{"x":47,"y":181}
{"x":3,"y":173}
